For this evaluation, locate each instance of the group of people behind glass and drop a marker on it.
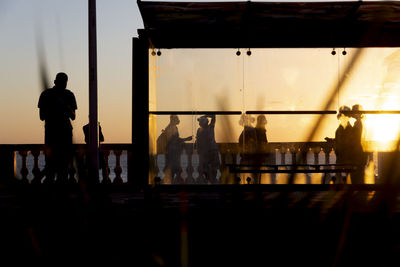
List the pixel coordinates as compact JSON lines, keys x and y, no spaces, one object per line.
{"x":253,"y":146}
{"x":253,"y":143}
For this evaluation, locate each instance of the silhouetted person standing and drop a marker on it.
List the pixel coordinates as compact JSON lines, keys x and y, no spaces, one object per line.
{"x":207,"y":149}
{"x":262,"y":144}
{"x":102,"y":160}
{"x":57,"y":107}
{"x":248,"y":142}
{"x":359,"y":157}
{"x":173,"y":150}
{"x":343,"y":141}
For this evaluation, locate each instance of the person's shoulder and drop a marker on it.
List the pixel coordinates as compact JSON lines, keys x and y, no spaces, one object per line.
{"x":46,"y":92}
{"x":46,"y":95}
{"x":68,"y":92}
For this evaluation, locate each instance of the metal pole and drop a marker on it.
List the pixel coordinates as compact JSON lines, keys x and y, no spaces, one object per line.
{"x":93,"y":118}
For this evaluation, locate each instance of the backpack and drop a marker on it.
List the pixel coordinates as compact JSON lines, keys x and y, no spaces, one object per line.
{"x":162,"y":142}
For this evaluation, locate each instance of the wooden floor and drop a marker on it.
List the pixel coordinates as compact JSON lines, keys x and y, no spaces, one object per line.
{"x":246,"y":225}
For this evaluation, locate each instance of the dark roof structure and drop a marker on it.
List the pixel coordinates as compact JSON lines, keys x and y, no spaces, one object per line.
{"x":271,"y":24}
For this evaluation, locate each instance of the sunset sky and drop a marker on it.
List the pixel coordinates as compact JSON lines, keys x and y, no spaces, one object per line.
{"x":64,"y":30}
{"x":271,"y":79}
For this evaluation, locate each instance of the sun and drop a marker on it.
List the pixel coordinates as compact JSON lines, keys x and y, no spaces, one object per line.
{"x":383,"y":129}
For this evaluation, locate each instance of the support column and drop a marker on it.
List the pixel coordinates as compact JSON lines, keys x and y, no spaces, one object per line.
{"x":138,"y":166}
{"x":93,"y":118}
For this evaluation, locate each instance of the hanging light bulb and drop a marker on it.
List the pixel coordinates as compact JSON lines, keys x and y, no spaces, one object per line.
{"x":238,"y":52}
{"x":344,"y":52}
{"x":248,"y":52}
{"x":333,"y":52}
{"x":153,"y":53}
{"x":158,"y":52}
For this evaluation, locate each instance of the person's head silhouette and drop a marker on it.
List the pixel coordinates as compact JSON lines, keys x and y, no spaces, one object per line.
{"x":261,"y":121}
{"x":246,"y":120}
{"x":356,"y":115}
{"x":342,"y":116}
{"x":61,"y":80}
{"x":174,"y":119}
{"x":203,"y":121}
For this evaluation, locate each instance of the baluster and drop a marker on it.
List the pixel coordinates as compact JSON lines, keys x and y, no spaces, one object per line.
{"x":310,"y":159}
{"x":316,"y":151}
{"x":293,"y":152}
{"x":24,"y":170}
{"x":81,"y":163}
{"x":161,"y":166}
{"x":184,"y":165}
{"x":327,"y":177}
{"x":156,"y":169}
{"x":283,"y":154}
{"x":288,"y":157}
{"x":71,"y":175}
{"x":235,"y":159}
{"x":37,"y":174}
{"x":189,"y":169}
{"x":327,"y":151}
{"x":118,"y":169}
{"x":321,"y":156}
{"x":218,"y":176}
{"x":275,"y":158}
{"x":310,"y":156}
{"x":106,"y":170}
{"x":332,"y":156}
{"x":195,"y":164}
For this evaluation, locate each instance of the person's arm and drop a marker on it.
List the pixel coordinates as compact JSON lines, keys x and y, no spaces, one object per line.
{"x":42,"y":109}
{"x":42,"y":114}
{"x":72,"y":114}
{"x":101,"y":136}
{"x":213,"y":119}
{"x":71,"y":107}
{"x":187,"y":138}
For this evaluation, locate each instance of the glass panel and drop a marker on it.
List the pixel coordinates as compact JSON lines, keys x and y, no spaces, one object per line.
{"x":190,"y":83}
{"x":289,"y":79}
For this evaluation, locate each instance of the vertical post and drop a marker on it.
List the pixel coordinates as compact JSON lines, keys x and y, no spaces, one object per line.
{"x":138,"y":170}
{"x":93,"y":119}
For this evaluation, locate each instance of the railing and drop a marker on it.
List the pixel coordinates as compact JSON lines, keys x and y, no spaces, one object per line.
{"x":279,"y":154}
{"x":26,"y":162}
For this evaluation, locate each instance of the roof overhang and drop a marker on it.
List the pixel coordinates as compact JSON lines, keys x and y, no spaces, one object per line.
{"x":270,"y":24}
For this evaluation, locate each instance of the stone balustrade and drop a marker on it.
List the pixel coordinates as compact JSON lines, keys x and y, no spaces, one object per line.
{"x":26,"y":162}
{"x":279,"y":154}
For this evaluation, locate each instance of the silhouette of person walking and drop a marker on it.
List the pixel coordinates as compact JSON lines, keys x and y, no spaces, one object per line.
{"x":207,"y":149}
{"x":57,"y":107}
{"x":248,"y":142}
{"x":359,"y":157}
{"x":102,"y":160}
{"x":174,"y":147}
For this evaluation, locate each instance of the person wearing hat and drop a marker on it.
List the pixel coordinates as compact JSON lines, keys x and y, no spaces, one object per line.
{"x":343,"y":141}
{"x":359,"y":157}
{"x":207,"y":149}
